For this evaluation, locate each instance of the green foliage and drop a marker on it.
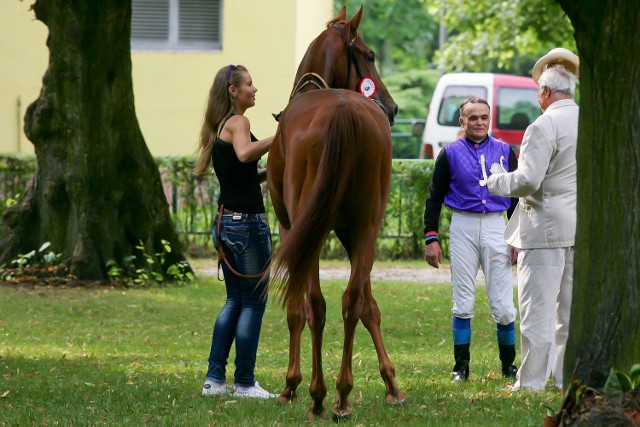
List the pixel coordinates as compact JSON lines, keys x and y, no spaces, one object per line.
{"x":405,"y":212}
{"x":132,"y":272}
{"x":412,"y":90}
{"x":192,"y":199}
{"x":403,"y":34}
{"x":133,"y":357}
{"x":621,"y":381}
{"x":15,"y":172}
{"x":506,"y":36}
{"x":610,"y":400}
{"x":32,"y":259}
{"x":12,"y":201}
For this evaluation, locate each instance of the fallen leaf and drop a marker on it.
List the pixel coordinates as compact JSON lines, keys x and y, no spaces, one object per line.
{"x":5,"y":394}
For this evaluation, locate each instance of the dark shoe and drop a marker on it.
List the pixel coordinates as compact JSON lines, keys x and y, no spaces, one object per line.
{"x":507,"y":356}
{"x":509,"y":371}
{"x":460,"y":371}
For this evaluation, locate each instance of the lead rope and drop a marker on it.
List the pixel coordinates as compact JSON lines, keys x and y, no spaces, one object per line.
{"x":222,"y":257}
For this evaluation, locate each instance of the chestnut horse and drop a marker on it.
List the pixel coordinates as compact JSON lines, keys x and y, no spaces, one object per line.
{"x":330,"y":168}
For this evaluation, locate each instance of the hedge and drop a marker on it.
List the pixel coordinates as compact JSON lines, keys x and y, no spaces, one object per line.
{"x":192,"y":201}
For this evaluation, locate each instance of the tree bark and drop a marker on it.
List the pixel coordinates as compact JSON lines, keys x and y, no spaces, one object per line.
{"x":605,"y":314}
{"x":96,"y":193}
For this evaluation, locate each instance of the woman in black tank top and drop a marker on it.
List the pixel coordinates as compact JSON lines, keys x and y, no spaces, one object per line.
{"x":240,"y":231}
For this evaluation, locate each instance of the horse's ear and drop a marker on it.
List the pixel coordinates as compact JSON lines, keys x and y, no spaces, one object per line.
{"x":355,"y":21}
{"x":343,"y":13}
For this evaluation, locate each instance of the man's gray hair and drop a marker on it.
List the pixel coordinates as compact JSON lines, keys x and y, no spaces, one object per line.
{"x":558,"y":80}
{"x":472,"y":100}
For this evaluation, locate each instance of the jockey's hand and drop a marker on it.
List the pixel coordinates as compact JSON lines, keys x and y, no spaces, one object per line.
{"x":514,"y":255}
{"x":433,"y":254}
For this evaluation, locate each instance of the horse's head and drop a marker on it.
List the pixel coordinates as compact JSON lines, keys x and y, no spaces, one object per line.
{"x":340,"y":56}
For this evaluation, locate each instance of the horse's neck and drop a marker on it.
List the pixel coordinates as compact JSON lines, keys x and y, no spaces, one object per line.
{"x":308,"y":68}
{"x":318,"y":62}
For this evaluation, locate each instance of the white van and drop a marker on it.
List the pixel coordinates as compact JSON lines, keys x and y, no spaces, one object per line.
{"x":513,"y":101}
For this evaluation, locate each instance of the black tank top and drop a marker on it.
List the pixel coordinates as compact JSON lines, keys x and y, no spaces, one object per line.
{"x":239,"y":183}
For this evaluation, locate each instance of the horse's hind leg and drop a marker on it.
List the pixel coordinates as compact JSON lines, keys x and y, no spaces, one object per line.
{"x":316,"y":308}
{"x":295,"y":321}
{"x":371,"y":320}
{"x":352,"y":305}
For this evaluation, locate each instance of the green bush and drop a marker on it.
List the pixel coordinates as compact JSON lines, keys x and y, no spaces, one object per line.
{"x":193,"y":204}
{"x":15,"y":172}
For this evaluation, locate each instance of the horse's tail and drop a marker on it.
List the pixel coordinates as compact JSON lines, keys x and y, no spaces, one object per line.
{"x":313,"y":221}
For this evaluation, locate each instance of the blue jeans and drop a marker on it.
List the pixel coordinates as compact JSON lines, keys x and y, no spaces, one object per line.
{"x":246,"y":241}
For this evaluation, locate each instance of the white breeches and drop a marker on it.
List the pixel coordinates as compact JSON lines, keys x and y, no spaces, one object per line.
{"x":545,"y":283}
{"x":478,"y":240}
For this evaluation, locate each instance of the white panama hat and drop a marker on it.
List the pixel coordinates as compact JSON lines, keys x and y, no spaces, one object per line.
{"x":558,"y":55}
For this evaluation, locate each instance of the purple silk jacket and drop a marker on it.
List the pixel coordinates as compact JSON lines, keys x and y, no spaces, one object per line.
{"x":465,"y":192}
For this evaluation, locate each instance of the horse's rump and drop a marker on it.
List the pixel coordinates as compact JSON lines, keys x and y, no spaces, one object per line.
{"x":337,"y":165}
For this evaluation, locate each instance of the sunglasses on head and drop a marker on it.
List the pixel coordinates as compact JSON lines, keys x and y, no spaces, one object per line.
{"x":230,"y":68}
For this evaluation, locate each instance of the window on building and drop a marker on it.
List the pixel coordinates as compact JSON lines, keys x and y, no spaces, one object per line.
{"x":176,"y":24}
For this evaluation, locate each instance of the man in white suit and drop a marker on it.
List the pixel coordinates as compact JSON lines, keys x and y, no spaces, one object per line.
{"x":543,"y":225}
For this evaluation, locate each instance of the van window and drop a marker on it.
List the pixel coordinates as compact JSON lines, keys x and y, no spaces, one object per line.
{"x":452,"y":98}
{"x":516,"y":108}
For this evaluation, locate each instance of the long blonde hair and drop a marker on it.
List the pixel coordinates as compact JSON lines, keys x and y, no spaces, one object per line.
{"x":219,"y":105}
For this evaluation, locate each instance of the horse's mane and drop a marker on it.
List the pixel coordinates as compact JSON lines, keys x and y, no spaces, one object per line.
{"x":337,"y":21}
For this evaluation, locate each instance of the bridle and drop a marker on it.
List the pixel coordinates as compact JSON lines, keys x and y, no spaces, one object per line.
{"x":353,"y":60}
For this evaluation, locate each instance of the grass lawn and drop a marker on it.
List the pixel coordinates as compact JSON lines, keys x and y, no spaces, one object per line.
{"x":138,"y":357}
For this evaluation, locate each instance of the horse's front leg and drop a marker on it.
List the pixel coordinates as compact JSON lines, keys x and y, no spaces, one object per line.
{"x":351,"y":310}
{"x":295,"y":320}
{"x":316,"y":309}
{"x":371,"y":319}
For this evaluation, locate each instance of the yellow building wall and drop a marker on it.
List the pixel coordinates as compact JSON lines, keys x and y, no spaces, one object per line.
{"x":171,"y":88}
{"x":23,"y":61}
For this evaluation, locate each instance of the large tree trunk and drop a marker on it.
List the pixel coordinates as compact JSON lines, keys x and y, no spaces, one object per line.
{"x":605,"y":314}
{"x":96,"y":193}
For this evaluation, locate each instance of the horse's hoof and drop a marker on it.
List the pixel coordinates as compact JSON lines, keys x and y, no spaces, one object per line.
{"x":287,"y":398}
{"x":340,"y":416}
{"x":396,"y":400}
{"x":314,"y":416}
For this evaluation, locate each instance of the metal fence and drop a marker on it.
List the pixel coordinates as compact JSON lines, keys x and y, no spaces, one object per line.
{"x":407,"y":137}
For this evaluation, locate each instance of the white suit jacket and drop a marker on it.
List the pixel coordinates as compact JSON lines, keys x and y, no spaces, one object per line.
{"x":545,"y":181}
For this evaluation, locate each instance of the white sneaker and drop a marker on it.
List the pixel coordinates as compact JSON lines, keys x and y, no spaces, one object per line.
{"x":214,"y":389}
{"x":254,"y":391}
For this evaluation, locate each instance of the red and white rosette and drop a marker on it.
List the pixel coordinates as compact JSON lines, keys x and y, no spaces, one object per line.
{"x":367,"y":87}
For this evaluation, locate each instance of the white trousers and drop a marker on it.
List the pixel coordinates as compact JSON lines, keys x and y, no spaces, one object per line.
{"x":545,"y":283}
{"x":478,"y":240}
